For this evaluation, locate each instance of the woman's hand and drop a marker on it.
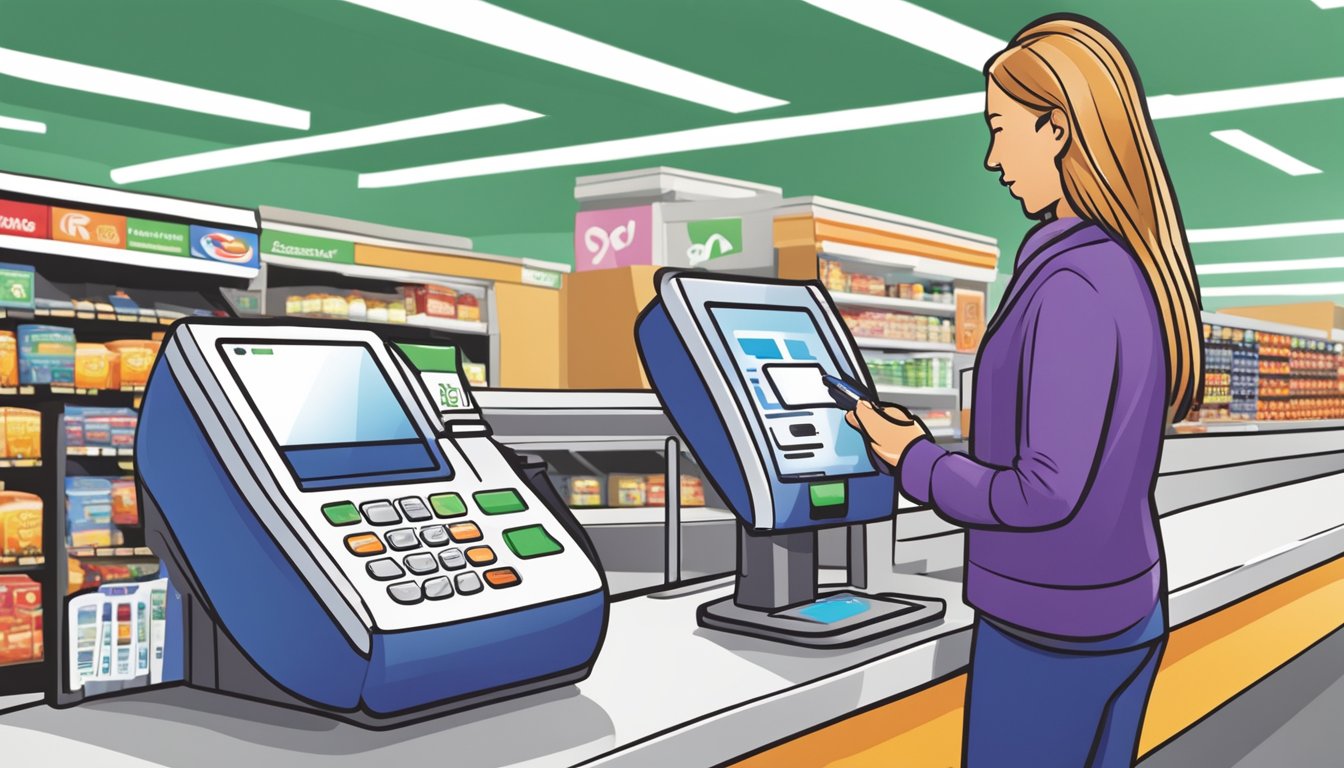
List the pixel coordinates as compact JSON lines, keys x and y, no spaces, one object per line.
{"x":889,"y":431}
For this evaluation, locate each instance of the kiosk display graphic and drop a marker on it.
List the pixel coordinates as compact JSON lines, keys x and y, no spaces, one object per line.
{"x":406,"y":550}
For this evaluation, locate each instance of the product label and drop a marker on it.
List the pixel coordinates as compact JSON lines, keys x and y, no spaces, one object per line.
{"x":541,"y":277}
{"x":88,"y":227}
{"x":16,"y":286}
{"x":307,"y":247}
{"x":713,"y":238}
{"x":617,"y":237}
{"x":24,"y":219}
{"x":224,"y":245}
{"x":157,"y":237}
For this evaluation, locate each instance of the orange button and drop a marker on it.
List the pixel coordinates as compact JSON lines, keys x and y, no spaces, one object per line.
{"x":500,"y":578}
{"x":481,"y":555}
{"x":364,"y":544}
{"x":464,"y":532}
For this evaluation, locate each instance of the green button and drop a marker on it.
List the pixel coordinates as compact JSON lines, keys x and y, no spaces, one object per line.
{"x":827,"y":494}
{"x":448,"y":505}
{"x":341,"y":513}
{"x":500,"y":502}
{"x":531,"y":541}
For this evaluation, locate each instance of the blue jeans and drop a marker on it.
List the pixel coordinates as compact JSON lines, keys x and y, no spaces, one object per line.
{"x":1031,"y":706}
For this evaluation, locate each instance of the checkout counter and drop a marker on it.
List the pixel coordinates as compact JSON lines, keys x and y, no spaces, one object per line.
{"x":1240,"y":514}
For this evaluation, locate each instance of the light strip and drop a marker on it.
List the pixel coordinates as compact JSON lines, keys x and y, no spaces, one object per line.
{"x":121,"y":85}
{"x":730,"y":135}
{"x":1287,"y":265}
{"x":401,"y":130}
{"x":19,"y":124}
{"x":1290,"y":289}
{"x":1254,"y":97}
{"x":515,"y":32}
{"x":1265,"y":153}
{"x":1327,"y":5}
{"x":920,"y":27}
{"x":1266,"y":231}
{"x":774,"y":129}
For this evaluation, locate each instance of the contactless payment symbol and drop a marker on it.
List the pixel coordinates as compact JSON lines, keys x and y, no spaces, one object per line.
{"x":226,"y":245}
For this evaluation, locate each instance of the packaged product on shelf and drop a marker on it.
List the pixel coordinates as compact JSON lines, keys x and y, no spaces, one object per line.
{"x":468,"y":308}
{"x":435,"y":301}
{"x":87,"y":426}
{"x":655,"y":490}
{"x":335,"y":305}
{"x":93,"y":366}
{"x":294,"y":304}
{"x":137,"y":359}
{"x":125,"y":506}
{"x":311,"y":304}
{"x":396,"y":312}
{"x":692,"y":491}
{"x":46,"y":354}
{"x":832,"y":276}
{"x":20,"y":619}
{"x":868,"y":285}
{"x":20,"y":524}
{"x":22,"y":430}
{"x":377,"y":311}
{"x":626,"y":490}
{"x":356,"y":307}
{"x":475,"y":373}
{"x":9,"y":360}
{"x":584,"y":491}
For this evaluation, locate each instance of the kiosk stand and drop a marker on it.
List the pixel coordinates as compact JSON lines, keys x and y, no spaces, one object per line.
{"x":737,"y":364}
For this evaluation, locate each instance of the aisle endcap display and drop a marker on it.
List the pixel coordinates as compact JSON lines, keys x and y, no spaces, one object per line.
{"x":600,"y":308}
{"x":1323,"y":316}
{"x":126,"y":228}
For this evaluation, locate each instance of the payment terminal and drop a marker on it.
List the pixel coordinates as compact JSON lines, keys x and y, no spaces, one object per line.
{"x":349,"y":537}
{"x":742,"y":367}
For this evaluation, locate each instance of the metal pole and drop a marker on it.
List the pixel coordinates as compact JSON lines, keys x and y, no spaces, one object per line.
{"x":672,"y":513}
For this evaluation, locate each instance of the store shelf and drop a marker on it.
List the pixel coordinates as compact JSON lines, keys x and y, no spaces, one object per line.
{"x":124,"y":552}
{"x":23,"y":565}
{"x":93,"y":450}
{"x":930,"y":392}
{"x":20,"y":463}
{"x":44,"y":391}
{"x":918,"y":265}
{"x":592,"y":517}
{"x":413,"y":321}
{"x":866,"y":342}
{"x":125,"y":258}
{"x":887,"y":302}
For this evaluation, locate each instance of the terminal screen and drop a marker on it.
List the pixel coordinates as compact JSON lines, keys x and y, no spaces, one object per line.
{"x":779,"y":356}
{"x":329,"y":408}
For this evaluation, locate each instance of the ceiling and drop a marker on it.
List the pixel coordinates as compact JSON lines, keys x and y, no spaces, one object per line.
{"x":353,"y":67}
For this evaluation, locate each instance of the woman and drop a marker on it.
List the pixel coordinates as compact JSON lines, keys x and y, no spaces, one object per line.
{"x":1094,"y":349}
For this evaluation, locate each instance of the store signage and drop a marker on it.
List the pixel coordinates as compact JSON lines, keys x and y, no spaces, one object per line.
{"x":16,"y":286}
{"x":224,"y":245}
{"x":616,"y":237}
{"x":713,"y":238}
{"x":308,"y":247}
{"x":24,"y":219}
{"x":157,"y":237}
{"x":88,"y":227}
{"x":542,"y":277}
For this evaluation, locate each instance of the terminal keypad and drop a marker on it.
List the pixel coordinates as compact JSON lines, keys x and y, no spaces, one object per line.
{"x":443,"y":523}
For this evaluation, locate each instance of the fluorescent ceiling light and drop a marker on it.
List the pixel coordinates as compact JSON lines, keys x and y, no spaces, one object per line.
{"x":731,"y":135}
{"x":1265,"y":153}
{"x":1328,"y":4}
{"x":515,"y":32}
{"x":19,"y":124}
{"x":1254,"y":97}
{"x":121,"y":85}
{"x":414,"y":128}
{"x":1266,"y":231}
{"x":1290,"y":289}
{"x":1285,"y":265}
{"x":919,"y":26}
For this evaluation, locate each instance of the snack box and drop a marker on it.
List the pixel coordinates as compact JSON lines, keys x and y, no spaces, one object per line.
{"x":93,"y":366}
{"x":583,"y":491}
{"x":468,"y":308}
{"x":626,"y":490}
{"x":88,"y":499}
{"x":20,"y":433}
{"x":9,"y":359}
{"x":46,"y":354}
{"x":435,"y":301}
{"x":655,"y":490}
{"x":137,"y":358}
{"x":692,"y":491}
{"x":125,"y":507}
{"x":20,"y":524}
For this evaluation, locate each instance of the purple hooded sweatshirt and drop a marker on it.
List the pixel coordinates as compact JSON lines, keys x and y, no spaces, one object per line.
{"x":1069,"y":415}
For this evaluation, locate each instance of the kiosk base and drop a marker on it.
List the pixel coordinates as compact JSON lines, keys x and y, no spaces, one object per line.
{"x":833,"y":620}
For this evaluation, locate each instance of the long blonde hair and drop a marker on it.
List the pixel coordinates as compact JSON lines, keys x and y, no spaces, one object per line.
{"x":1112,"y":169}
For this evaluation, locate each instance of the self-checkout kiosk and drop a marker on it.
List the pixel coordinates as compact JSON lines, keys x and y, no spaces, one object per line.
{"x":347,"y":536}
{"x":738,"y":365}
